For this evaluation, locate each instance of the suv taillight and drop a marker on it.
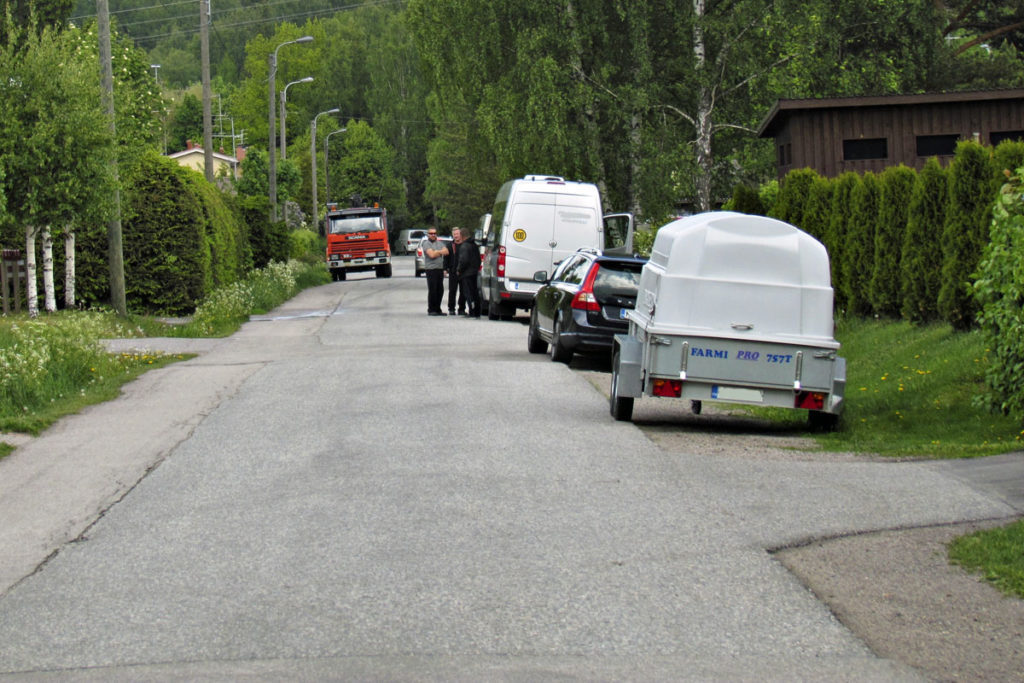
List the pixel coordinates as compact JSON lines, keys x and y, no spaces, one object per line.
{"x":585,"y":299}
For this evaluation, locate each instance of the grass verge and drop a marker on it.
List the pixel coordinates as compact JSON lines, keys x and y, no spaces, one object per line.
{"x":910,"y":392}
{"x":997,"y":554}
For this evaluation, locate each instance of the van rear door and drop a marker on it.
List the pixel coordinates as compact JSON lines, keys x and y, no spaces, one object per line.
{"x":528,"y":238}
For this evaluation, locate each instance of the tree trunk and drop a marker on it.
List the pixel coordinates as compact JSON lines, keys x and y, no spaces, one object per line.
{"x":704,"y":108}
{"x":49,"y":295}
{"x":31,"y":293}
{"x":69,"y":267}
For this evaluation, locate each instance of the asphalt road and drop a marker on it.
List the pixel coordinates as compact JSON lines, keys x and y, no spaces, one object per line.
{"x":350,"y":489}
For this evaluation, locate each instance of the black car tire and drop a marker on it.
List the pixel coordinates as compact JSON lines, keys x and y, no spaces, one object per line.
{"x":559,"y":354}
{"x":820,"y":421}
{"x":494,"y":311}
{"x":534,"y":343}
{"x":621,"y":406}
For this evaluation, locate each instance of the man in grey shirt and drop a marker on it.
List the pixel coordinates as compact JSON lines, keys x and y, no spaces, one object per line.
{"x":433,"y":266}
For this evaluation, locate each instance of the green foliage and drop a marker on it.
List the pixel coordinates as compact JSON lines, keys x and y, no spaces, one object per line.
{"x":999,"y":293}
{"x":884,"y":289}
{"x":746,"y":199}
{"x":818,"y":208}
{"x":304,"y":245}
{"x":793,"y":193}
{"x":366,"y":167}
{"x":996,"y":554}
{"x":859,"y":246}
{"x":268,"y":241}
{"x":186,"y":124}
{"x":922,"y":245}
{"x":837,"y":235}
{"x":972,"y":188}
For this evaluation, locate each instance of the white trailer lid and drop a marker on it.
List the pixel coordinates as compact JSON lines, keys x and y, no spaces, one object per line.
{"x":737,"y":275}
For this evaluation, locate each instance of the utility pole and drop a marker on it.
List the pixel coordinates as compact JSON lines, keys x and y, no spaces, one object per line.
{"x":204,"y":49}
{"x":115,"y":248}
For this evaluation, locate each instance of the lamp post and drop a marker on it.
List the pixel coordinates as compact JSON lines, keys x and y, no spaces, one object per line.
{"x":156,"y":72}
{"x":327,"y":166}
{"x":312,"y":162}
{"x":271,"y":128}
{"x":284,"y":111}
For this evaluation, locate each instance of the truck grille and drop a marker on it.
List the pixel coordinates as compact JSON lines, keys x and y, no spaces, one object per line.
{"x":357,"y":246}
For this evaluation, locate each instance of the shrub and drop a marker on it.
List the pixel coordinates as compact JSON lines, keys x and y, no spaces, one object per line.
{"x":746,"y":200}
{"x":859,"y":248}
{"x":999,"y":293}
{"x":884,"y":290}
{"x":793,"y":196}
{"x":818,"y":208}
{"x":305,"y":246}
{"x":972,"y":188}
{"x":922,"y":245}
{"x":835,"y":238}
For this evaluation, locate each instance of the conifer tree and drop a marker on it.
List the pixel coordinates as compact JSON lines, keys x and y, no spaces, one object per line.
{"x":897,"y":187}
{"x":922,"y":245}
{"x":860,"y":244}
{"x":835,"y":238}
{"x":793,"y":193}
{"x":972,"y":190}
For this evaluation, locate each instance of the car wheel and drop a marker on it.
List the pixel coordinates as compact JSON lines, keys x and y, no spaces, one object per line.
{"x":559,"y":354}
{"x":621,"y":406}
{"x":534,"y":343}
{"x":494,"y":311}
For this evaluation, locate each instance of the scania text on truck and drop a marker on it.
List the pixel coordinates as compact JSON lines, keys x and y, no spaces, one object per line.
{"x":357,"y":240}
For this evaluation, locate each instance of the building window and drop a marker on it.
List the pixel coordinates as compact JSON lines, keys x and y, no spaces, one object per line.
{"x":785,"y":154}
{"x":865,"y":148}
{"x":996,"y":137}
{"x":936,"y":145}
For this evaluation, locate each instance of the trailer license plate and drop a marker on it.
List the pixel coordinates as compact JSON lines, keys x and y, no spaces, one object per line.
{"x":622,"y":313}
{"x":737,"y":394}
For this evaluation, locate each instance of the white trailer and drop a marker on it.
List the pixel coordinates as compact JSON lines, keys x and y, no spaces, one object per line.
{"x":733,"y":308}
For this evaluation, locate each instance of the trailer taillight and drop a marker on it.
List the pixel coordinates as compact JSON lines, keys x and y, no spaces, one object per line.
{"x":672,"y":388}
{"x":811,"y":400}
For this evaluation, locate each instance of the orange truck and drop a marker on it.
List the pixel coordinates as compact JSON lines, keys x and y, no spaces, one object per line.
{"x":357,"y":240}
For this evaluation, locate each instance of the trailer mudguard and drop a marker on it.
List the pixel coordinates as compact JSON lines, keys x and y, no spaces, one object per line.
{"x":630,"y":356}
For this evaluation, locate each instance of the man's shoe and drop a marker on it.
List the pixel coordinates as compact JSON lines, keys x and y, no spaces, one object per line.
{"x":434,"y":313}
{"x":451,"y":311}
{"x":441,"y":313}
{"x":462,"y":313}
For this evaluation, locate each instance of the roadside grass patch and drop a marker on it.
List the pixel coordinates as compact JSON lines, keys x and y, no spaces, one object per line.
{"x":997,"y":554}
{"x":910,"y":391}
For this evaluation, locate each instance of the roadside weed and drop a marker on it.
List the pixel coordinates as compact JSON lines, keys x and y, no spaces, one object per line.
{"x":997,"y":554}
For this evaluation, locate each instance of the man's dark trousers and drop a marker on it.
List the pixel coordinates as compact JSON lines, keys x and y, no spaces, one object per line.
{"x":453,"y":289}
{"x":435,"y":289}
{"x":468,"y":288}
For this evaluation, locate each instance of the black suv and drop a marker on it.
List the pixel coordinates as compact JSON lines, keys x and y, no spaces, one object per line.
{"x":584,"y":304}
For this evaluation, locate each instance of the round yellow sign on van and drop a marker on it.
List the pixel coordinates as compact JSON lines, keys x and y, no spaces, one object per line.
{"x":519,"y":235}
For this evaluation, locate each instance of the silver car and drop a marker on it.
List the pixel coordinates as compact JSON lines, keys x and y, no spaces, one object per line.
{"x":446,"y":239}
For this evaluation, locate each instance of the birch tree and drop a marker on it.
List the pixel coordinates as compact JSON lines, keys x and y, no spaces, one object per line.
{"x":54,"y":144}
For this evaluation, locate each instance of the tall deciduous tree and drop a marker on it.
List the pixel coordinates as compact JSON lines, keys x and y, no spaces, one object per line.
{"x":55,"y":145}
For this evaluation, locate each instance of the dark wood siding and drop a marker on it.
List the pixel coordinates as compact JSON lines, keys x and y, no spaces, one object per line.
{"x":815,"y":134}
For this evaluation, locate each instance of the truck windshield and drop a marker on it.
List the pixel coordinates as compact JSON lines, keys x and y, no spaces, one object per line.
{"x":349,"y":224}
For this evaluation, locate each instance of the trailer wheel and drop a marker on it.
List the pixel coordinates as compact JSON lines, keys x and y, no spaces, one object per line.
{"x":820,"y":421}
{"x":534,"y":342}
{"x":559,"y":354}
{"x":621,"y":406}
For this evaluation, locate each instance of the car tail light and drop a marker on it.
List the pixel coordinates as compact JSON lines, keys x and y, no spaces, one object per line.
{"x":811,"y":400}
{"x":585,"y":299}
{"x":672,"y":388}
{"x":501,"y":261}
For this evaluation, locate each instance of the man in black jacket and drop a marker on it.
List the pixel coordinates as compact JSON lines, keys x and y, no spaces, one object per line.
{"x":450,"y":265}
{"x":467,"y":258}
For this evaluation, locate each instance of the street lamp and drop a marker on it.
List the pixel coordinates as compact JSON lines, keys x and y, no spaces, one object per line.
{"x":284,"y":112}
{"x":327,"y":166}
{"x":271,"y":127}
{"x":156,"y":72}
{"x":312,"y":155}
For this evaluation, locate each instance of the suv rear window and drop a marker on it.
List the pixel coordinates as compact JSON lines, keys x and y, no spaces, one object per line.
{"x":617,"y":279}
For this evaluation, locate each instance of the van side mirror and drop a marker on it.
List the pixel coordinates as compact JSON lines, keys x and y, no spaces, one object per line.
{"x":540,"y":276}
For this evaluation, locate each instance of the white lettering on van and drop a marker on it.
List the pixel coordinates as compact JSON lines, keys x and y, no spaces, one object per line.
{"x":573,"y":217}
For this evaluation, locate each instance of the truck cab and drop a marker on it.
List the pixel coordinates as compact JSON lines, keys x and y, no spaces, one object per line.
{"x":357,"y":240}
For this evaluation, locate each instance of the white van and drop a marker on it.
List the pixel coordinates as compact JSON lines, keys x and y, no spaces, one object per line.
{"x":536,"y":222}
{"x":408,"y":240}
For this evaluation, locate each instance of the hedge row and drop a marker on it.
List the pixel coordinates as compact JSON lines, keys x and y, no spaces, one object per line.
{"x":902,"y":243}
{"x":182,"y":237}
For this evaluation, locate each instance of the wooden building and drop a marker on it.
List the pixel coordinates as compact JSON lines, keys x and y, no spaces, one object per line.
{"x":860,"y":134}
